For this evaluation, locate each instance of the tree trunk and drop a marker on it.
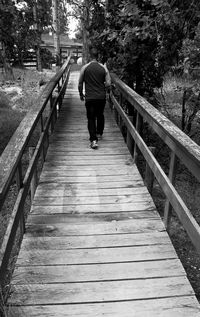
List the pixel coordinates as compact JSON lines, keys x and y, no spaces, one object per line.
{"x":38,"y":34}
{"x":38,"y":57}
{"x":85,"y":31}
{"x":56,"y":32}
{"x":6,"y":66}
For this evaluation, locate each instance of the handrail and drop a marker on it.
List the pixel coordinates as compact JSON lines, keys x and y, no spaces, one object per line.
{"x":13,"y":152}
{"x":180,"y":144}
{"x":43,"y":113}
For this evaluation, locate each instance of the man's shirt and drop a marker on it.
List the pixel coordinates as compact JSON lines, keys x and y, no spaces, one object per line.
{"x":96,"y":78}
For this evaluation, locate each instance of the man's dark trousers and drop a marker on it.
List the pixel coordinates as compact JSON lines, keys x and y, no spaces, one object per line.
{"x":95,"y":116}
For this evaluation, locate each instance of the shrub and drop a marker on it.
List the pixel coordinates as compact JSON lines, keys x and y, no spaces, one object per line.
{"x":9,"y":121}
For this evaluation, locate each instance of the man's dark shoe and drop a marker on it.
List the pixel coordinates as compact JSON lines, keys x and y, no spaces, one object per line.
{"x":94,"y":145}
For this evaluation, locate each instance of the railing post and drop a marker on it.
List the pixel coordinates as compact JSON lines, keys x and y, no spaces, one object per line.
{"x":19,"y":179}
{"x":120,"y":122}
{"x":33,"y":184}
{"x":149,"y":176}
{"x":19,"y":182}
{"x":54,"y":116}
{"x":168,"y":207}
{"x":138,"y":127}
{"x":60,"y":97}
{"x":129,"y":139}
{"x":46,"y":142}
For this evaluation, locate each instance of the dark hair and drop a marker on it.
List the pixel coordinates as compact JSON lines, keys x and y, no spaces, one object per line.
{"x":94,"y":53}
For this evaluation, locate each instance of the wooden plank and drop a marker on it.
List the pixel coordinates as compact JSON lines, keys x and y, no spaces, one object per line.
{"x":90,"y":217}
{"x":63,"y":191}
{"x":92,"y":158}
{"x":99,"y":255}
{"x":67,"y":127}
{"x":85,"y":139}
{"x":89,"y":186}
{"x":91,"y":292}
{"x":86,"y":162}
{"x":62,"y":178}
{"x":95,"y":208}
{"x":183,"y":306}
{"x":113,"y":227}
{"x":97,"y":272}
{"x":100,"y":241}
{"x":94,"y":170}
{"x":82,"y":200}
{"x":80,"y":144}
{"x":72,"y":151}
{"x":90,"y":179}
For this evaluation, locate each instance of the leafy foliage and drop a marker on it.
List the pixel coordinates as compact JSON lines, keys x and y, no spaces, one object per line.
{"x":142,"y":39}
{"x":22,"y":23}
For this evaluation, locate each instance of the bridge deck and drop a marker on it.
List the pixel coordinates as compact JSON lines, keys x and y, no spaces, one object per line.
{"x":95,"y":244}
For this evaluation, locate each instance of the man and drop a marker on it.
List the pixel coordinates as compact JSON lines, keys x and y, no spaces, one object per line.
{"x":96,"y":78}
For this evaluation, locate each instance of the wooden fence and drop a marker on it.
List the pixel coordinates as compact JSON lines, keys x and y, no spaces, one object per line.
{"x":180,"y":145}
{"x":14,"y":169}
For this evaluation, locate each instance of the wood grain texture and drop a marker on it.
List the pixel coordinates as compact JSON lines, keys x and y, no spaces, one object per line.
{"x":94,"y":244}
{"x":97,"y":272}
{"x":97,"y":292}
{"x":97,"y":255}
{"x":97,"y":241}
{"x":183,"y":306}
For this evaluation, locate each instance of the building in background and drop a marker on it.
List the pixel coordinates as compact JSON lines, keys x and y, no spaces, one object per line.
{"x":67,"y":46}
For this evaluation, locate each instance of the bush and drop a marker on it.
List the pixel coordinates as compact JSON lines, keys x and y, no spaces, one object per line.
{"x":9,"y":121}
{"x":47,"y":58}
{"x":4,"y":101}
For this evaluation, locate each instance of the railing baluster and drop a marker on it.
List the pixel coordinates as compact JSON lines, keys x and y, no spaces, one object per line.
{"x":129,"y":139}
{"x":168,"y":207}
{"x":19,"y":182}
{"x":41,"y":123}
{"x":18,"y":176}
{"x":60,"y":99}
{"x":149,"y":176}
{"x":33,"y":184}
{"x":42,"y":130}
{"x":139,"y":122}
{"x":120,"y":121}
{"x":51,"y":106}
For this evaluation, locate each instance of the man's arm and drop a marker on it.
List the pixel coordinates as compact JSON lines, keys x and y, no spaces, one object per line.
{"x":80,"y":82}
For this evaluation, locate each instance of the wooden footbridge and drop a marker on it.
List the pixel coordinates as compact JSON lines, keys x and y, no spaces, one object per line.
{"x":93,"y":243}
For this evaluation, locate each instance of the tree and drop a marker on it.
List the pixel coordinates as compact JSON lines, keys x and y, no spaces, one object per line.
{"x":143,"y":38}
{"x":7,"y":13}
{"x":21,"y":26}
{"x":89,"y":13}
{"x":131,"y":39}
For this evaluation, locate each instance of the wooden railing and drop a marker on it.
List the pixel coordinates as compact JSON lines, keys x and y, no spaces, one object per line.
{"x":19,"y":172}
{"x":180,"y":145}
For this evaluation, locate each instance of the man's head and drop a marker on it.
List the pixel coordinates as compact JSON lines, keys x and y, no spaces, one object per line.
{"x":94,"y":53}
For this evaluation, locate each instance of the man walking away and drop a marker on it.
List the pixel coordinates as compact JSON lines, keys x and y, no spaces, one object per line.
{"x":96,"y":78}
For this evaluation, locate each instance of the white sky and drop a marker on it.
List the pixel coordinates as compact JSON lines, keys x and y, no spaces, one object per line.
{"x":73,"y":23}
{"x":72,"y":27}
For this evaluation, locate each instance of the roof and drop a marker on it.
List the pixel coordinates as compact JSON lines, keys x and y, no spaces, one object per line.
{"x":65,"y":41}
